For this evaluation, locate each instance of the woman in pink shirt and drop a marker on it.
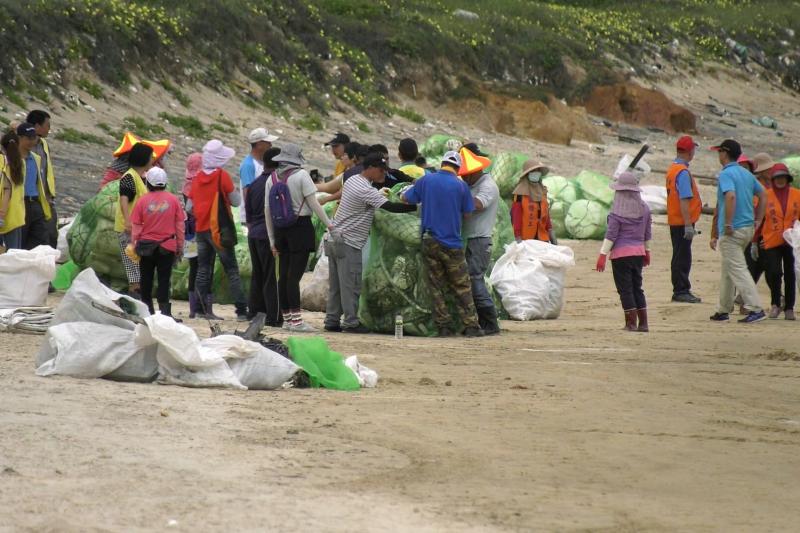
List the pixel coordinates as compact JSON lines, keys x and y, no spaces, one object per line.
{"x":157,"y":236}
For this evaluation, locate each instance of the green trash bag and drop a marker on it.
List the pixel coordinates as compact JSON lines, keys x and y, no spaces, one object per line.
{"x":325,"y":367}
{"x":65,"y":274}
{"x":558,"y":213}
{"x":93,"y":243}
{"x":506,"y":169}
{"x":595,"y":186}
{"x":793,"y":162}
{"x":586,"y":219}
{"x":436,"y":145}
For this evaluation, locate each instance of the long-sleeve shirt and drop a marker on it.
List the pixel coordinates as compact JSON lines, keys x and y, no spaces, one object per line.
{"x":158,"y":216}
{"x":629,"y":235}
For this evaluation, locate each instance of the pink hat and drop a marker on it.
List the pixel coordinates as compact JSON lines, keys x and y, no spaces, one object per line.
{"x":626,"y":182}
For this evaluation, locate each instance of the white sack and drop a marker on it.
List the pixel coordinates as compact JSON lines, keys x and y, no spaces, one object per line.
{"x":264,"y":370}
{"x":63,"y":244}
{"x":656,"y":197}
{"x":314,"y":294}
{"x":530,"y":279}
{"x":366,"y":376}
{"x":792,"y":236}
{"x":25,"y":276}
{"x":642,"y":169}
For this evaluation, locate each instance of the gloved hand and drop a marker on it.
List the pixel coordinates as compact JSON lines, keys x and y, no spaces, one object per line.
{"x":647,"y":258}
{"x":601,"y":263}
{"x":689,"y":232}
{"x":754,"y":251}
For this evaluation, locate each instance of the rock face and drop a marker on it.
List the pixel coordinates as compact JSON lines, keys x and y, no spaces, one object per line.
{"x":631,"y":103}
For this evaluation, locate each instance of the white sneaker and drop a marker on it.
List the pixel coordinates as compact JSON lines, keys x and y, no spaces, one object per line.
{"x":303,"y":327}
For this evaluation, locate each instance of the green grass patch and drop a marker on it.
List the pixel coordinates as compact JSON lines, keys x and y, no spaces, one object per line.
{"x":409,"y":114}
{"x":142,"y":128}
{"x":179,"y":95}
{"x":191,"y":126}
{"x":16,"y":99}
{"x":92,"y":88}
{"x":310,"y":122}
{"x":363,"y":127}
{"x":74,"y":136}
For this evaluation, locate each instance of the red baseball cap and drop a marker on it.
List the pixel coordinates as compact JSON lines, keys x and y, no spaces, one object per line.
{"x":686,"y":144}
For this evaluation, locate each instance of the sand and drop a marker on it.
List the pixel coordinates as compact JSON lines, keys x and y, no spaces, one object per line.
{"x":567,"y":425}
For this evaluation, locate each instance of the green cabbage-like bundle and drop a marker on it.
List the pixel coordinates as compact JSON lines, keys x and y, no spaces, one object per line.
{"x":587,"y":219}
{"x":595,"y":186}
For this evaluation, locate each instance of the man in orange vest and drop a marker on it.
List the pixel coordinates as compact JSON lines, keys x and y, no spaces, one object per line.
{"x":683,"y":212}
{"x":783,"y":210}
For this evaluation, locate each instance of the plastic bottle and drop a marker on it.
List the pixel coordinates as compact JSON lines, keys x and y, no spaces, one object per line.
{"x":398,"y":327}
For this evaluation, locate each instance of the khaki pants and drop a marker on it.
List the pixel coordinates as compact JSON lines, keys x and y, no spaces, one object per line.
{"x":734,"y":272}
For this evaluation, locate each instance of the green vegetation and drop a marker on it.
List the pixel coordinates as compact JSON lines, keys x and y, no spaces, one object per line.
{"x":319,"y":51}
{"x":191,"y":126}
{"x":94,"y":90}
{"x":409,"y":114}
{"x":78,"y":137}
{"x":141,"y":127}
{"x":179,"y":95}
{"x":363,"y":127}
{"x":312,"y":122}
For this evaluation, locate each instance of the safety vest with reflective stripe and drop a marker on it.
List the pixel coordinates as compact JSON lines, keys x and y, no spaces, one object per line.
{"x":674,"y":216}
{"x":141,"y":190}
{"x":15,"y":216}
{"x":776,"y":221}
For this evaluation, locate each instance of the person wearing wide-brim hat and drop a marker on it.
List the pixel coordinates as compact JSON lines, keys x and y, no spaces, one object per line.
{"x":627,"y":241}
{"x":530,"y":210}
{"x":783,"y":210}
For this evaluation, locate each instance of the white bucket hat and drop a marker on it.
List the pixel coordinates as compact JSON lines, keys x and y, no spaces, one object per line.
{"x":216,"y":155}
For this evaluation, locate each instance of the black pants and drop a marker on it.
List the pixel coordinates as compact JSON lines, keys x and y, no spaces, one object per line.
{"x":758,"y":267}
{"x":780,"y":264}
{"x":294,"y":245}
{"x":264,"y":283}
{"x":161,"y":261}
{"x":628,"y":279}
{"x":52,"y":225}
{"x":681,"y":261}
{"x":35,"y":231}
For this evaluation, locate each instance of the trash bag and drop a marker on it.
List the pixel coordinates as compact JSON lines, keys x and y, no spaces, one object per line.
{"x":655,"y":196}
{"x":792,"y":236}
{"x":436,"y":145}
{"x":366,"y":376}
{"x":530,"y":279}
{"x":319,"y":231}
{"x":264,"y":370}
{"x":324,"y":367}
{"x":642,"y":169}
{"x":595,"y":186}
{"x":314,"y":293}
{"x":64,"y":275}
{"x":506,"y":168}
{"x":63,"y":244}
{"x":793,"y":163}
{"x":25,"y":276}
{"x":586,"y":219}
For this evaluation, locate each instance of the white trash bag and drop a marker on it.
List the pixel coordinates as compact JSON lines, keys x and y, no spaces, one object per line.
{"x":63,"y":244}
{"x":366,"y":376}
{"x":25,"y":276}
{"x":655,"y":196}
{"x":642,"y":169}
{"x":314,"y":295}
{"x":530,"y":279}
{"x":792,"y":236}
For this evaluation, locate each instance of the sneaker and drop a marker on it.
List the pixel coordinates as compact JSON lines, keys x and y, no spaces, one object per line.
{"x":333,"y":329}
{"x":775,"y":312}
{"x":720,"y":317}
{"x":790,"y":314}
{"x":302,"y":327}
{"x":360,"y":329}
{"x":753,"y":317}
{"x":686,"y":298}
{"x":473,"y":332}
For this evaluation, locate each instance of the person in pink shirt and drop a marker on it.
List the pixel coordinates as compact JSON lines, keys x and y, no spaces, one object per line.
{"x":157,"y":236}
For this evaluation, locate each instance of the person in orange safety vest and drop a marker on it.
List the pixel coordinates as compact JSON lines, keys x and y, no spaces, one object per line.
{"x":530,"y":211}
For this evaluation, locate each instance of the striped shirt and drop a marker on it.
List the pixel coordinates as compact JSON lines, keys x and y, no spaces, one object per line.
{"x":356,"y":210}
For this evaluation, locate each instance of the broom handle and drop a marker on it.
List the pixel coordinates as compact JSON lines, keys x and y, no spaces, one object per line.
{"x":639,"y":156}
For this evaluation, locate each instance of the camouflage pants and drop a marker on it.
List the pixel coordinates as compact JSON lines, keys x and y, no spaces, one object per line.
{"x":447,"y":271}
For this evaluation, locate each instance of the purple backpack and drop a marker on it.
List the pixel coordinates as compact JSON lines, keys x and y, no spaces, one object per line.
{"x":281,"y":209}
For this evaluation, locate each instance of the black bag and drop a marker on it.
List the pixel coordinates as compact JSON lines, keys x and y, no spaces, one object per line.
{"x":224,"y":234}
{"x":148,"y":248}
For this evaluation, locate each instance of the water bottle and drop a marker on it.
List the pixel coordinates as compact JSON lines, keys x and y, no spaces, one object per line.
{"x":398,"y":327}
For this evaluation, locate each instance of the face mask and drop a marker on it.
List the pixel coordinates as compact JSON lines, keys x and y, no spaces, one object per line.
{"x":535,"y":177}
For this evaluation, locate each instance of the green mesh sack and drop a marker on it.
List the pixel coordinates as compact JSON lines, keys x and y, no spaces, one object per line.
{"x":435,"y":146}
{"x":324,"y":367}
{"x":558,"y":213}
{"x":503,"y":233}
{"x":586,"y":219}
{"x":506,"y":169}
{"x":554,"y":185}
{"x":319,"y":231}
{"x":793,"y":162}
{"x":595,"y":186}
{"x":93,"y":243}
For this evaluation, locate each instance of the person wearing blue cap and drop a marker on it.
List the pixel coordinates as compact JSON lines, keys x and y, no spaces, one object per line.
{"x":37,"y":208}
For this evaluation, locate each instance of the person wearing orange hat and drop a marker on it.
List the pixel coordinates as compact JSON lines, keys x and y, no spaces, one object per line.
{"x":478,"y":230}
{"x":782,"y":211}
{"x":683,"y":212}
{"x":530,"y":210}
{"x":120,"y":164}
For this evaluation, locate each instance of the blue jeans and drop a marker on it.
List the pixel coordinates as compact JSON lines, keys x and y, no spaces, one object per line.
{"x":12,"y":239}
{"x":479,"y":255}
{"x":206,"y":254}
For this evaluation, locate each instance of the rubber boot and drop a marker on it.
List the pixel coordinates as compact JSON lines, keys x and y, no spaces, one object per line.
{"x":166,"y":310}
{"x":487,"y":319}
{"x":630,"y":320}
{"x":208,"y":308}
{"x":194,"y":307}
{"x":641,"y":314}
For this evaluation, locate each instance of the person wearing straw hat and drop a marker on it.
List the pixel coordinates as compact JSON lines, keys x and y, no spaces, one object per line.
{"x":207,"y":185}
{"x":158,"y":224}
{"x":530,"y":210}
{"x":782,"y":211}
{"x":478,"y":231}
{"x":736,"y":222}
{"x":446,"y":200}
{"x":627,"y":241}
{"x":683,"y":211}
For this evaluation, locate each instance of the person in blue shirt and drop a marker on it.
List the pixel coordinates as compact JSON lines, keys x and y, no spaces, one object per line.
{"x":37,"y":209}
{"x":252,"y":166}
{"x":736,"y":220}
{"x":446,"y":200}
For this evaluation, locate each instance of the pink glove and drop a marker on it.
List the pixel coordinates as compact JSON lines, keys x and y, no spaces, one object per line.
{"x":601,"y":263}
{"x":647,"y":258}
